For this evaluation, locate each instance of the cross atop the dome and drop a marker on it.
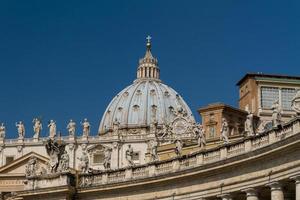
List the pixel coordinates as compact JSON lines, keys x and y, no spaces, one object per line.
{"x":148,"y":39}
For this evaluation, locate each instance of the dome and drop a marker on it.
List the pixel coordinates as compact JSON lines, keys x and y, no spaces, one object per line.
{"x":146,"y":100}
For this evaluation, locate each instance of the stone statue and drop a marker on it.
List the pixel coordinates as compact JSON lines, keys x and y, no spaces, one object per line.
{"x":2,"y":131}
{"x":116,"y":126}
{"x":249,"y":130}
{"x":37,"y":128}
{"x":86,"y":128}
{"x":107,"y":158}
{"x":178,"y":147}
{"x":54,"y":151}
{"x":200,"y":135}
{"x":166,"y":130}
{"x":129,"y":155}
{"x":71,"y":128}
{"x":21,"y":129}
{"x":224,"y":131}
{"x":296,"y":103}
{"x":52,"y":129}
{"x":31,"y":167}
{"x":84,"y":163}
{"x":276,"y":116}
{"x":153,"y":127}
{"x":64,"y":162}
{"x":153,"y":150}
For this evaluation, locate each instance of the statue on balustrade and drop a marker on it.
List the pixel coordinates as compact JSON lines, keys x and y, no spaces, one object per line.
{"x":224,"y":131}
{"x":116,"y":126}
{"x":166,"y":130}
{"x":86,"y":128}
{"x":153,"y":149}
{"x":296,"y":103}
{"x":52,"y":129}
{"x":54,"y":150}
{"x":71,"y":128}
{"x":276,"y":116}
{"x":21,"y":129}
{"x":178,"y":147}
{"x":107,"y":158}
{"x":31,"y":168}
{"x":200,"y":134}
{"x":84,"y":163}
{"x":64,"y":165}
{"x":2,"y":131}
{"x":129,"y":155}
{"x":249,"y":130}
{"x":37,"y":128}
{"x":153,"y":127}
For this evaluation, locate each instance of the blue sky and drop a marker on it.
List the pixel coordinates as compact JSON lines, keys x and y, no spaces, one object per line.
{"x":68,"y":59}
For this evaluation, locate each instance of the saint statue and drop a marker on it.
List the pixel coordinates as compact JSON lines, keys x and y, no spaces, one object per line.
{"x":37,"y":127}
{"x":54,"y":151}
{"x":52,"y":129}
{"x":2,"y":131}
{"x":116,"y":126}
{"x":296,"y":103}
{"x":21,"y":129}
{"x":200,"y":135}
{"x":276,"y":115}
{"x":86,"y":128}
{"x":153,"y":150}
{"x":129,"y":155}
{"x":31,"y":167}
{"x":71,"y":128}
{"x":224,"y":131}
{"x":178,"y":147}
{"x":64,"y":162}
{"x":84,"y":163}
{"x":107,"y":158}
{"x":249,"y":130}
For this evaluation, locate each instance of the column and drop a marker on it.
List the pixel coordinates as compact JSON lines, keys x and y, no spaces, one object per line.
{"x":251,"y":194}
{"x":297,"y":182}
{"x":225,"y":196}
{"x":276,"y":191}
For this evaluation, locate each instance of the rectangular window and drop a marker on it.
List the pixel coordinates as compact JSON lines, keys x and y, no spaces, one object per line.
{"x":212,"y":131}
{"x":136,"y":157}
{"x":9,"y":159}
{"x":98,"y":158}
{"x":268,"y":96}
{"x":287,"y":94}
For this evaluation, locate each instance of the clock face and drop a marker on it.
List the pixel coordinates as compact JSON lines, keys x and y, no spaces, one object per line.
{"x":180,"y":126}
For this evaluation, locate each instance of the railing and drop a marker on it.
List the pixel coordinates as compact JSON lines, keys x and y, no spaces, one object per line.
{"x":118,"y":176}
{"x":236,"y":149}
{"x":188,"y":162}
{"x":196,"y":159}
{"x":164,"y":168}
{"x":140,"y":172}
{"x":212,"y":156}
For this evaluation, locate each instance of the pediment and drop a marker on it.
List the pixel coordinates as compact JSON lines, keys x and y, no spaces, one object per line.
{"x":17,"y":167}
{"x":96,"y":148}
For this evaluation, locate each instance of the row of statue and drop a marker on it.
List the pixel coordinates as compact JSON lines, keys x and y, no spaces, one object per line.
{"x":37,"y":128}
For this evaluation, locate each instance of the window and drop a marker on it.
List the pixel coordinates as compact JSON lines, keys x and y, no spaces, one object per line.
{"x":9,"y":159}
{"x":212,"y":131}
{"x":136,"y":156}
{"x":287,"y":94}
{"x":98,"y":158}
{"x":268,"y":96}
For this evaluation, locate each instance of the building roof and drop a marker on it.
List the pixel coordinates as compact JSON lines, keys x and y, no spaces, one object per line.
{"x":219,"y":105}
{"x":261,"y":75}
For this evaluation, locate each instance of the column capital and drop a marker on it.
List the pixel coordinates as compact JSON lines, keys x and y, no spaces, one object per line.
{"x":250,"y":192}
{"x":274,"y":186}
{"x":296,"y":178}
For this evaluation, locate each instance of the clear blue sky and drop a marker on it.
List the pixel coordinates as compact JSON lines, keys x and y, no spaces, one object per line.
{"x":68,"y":59}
